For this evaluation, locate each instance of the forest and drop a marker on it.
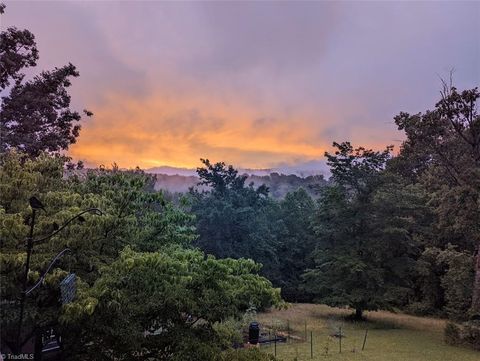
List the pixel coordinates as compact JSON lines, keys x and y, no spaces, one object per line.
{"x":159,"y":277}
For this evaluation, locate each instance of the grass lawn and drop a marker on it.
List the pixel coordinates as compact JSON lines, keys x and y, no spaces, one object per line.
{"x":391,"y":337}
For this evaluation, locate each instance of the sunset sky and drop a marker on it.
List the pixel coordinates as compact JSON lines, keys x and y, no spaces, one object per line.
{"x":255,"y":84}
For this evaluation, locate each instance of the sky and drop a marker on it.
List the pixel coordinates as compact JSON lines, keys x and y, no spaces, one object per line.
{"x":254,"y":84}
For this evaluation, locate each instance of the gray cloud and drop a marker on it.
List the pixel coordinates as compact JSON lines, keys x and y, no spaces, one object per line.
{"x":343,"y":69}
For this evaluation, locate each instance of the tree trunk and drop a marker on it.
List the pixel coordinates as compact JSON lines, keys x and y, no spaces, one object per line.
{"x":475,"y":310}
{"x":358,"y":314}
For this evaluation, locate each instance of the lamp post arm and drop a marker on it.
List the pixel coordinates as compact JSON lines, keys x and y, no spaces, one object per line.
{"x":90,"y":210}
{"x":42,"y":277}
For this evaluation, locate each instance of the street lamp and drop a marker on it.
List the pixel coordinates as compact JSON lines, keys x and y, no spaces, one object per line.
{"x":36,"y":205}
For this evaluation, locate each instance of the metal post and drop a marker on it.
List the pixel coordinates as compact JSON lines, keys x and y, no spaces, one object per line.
{"x":288,"y":330}
{"x":25,"y":280}
{"x":340,"y":339}
{"x":365,"y":339}
{"x":275,"y":343}
{"x":311,"y":344}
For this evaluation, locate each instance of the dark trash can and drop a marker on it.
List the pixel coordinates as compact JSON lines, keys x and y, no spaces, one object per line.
{"x":253,"y":333}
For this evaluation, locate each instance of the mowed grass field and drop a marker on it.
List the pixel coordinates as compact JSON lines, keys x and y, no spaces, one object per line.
{"x":391,"y":336}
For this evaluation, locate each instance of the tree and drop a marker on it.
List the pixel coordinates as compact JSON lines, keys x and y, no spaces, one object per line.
{"x":443,"y":278}
{"x":137,"y":215}
{"x":133,"y":215}
{"x":296,"y":240}
{"x":163,"y":306}
{"x":234,"y":220}
{"x":364,"y":224}
{"x":35,"y":115}
{"x":220,"y":177}
{"x":447,"y":141}
{"x":18,"y":50}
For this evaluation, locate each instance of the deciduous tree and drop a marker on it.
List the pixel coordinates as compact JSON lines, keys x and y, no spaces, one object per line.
{"x":35,"y":114}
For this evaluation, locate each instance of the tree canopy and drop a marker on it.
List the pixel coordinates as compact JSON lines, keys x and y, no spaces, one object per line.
{"x":35,"y":114}
{"x":138,"y":225}
{"x":364,"y":224}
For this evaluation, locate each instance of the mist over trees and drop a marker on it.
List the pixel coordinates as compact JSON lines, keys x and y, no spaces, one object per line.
{"x":279,"y":185}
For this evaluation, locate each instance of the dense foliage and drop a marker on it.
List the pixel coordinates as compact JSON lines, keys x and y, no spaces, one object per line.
{"x":386,"y":231}
{"x":236,"y":220}
{"x":163,"y":305}
{"x":155,"y":233}
{"x":364,"y":226}
{"x":442,"y":155}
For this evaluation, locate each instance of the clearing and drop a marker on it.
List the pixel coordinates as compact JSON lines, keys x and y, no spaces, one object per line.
{"x":391,"y":336}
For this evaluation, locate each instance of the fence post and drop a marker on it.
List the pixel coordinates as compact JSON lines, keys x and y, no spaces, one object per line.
{"x":340,"y":339}
{"x":311,"y":344}
{"x":288,"y":330}
{"x":365,"y":339}
{"x":275,"y":343}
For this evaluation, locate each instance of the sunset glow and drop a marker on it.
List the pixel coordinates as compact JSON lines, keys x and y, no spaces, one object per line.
{"x":253,"y":84}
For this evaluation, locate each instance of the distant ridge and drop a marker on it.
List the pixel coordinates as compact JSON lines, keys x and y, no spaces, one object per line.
{"x":168,"y":170}
{"x":303,"y":170}
{"x":165,"y":169}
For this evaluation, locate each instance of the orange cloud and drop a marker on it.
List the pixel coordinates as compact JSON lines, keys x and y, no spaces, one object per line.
{"x":162,"y":129}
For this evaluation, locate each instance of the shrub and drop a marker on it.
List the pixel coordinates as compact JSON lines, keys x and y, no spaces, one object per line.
{"x":466,"y":334}
{"x":452,"y":334}
{"x":471,"y":334}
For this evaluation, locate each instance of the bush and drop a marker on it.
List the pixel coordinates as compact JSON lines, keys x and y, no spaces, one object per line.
{"x":452,"y":334}
{"x":467,"y":334}
{"x":471,"y":334}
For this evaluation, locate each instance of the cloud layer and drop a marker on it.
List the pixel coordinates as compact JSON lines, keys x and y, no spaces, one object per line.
{"x":256,"y":84}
